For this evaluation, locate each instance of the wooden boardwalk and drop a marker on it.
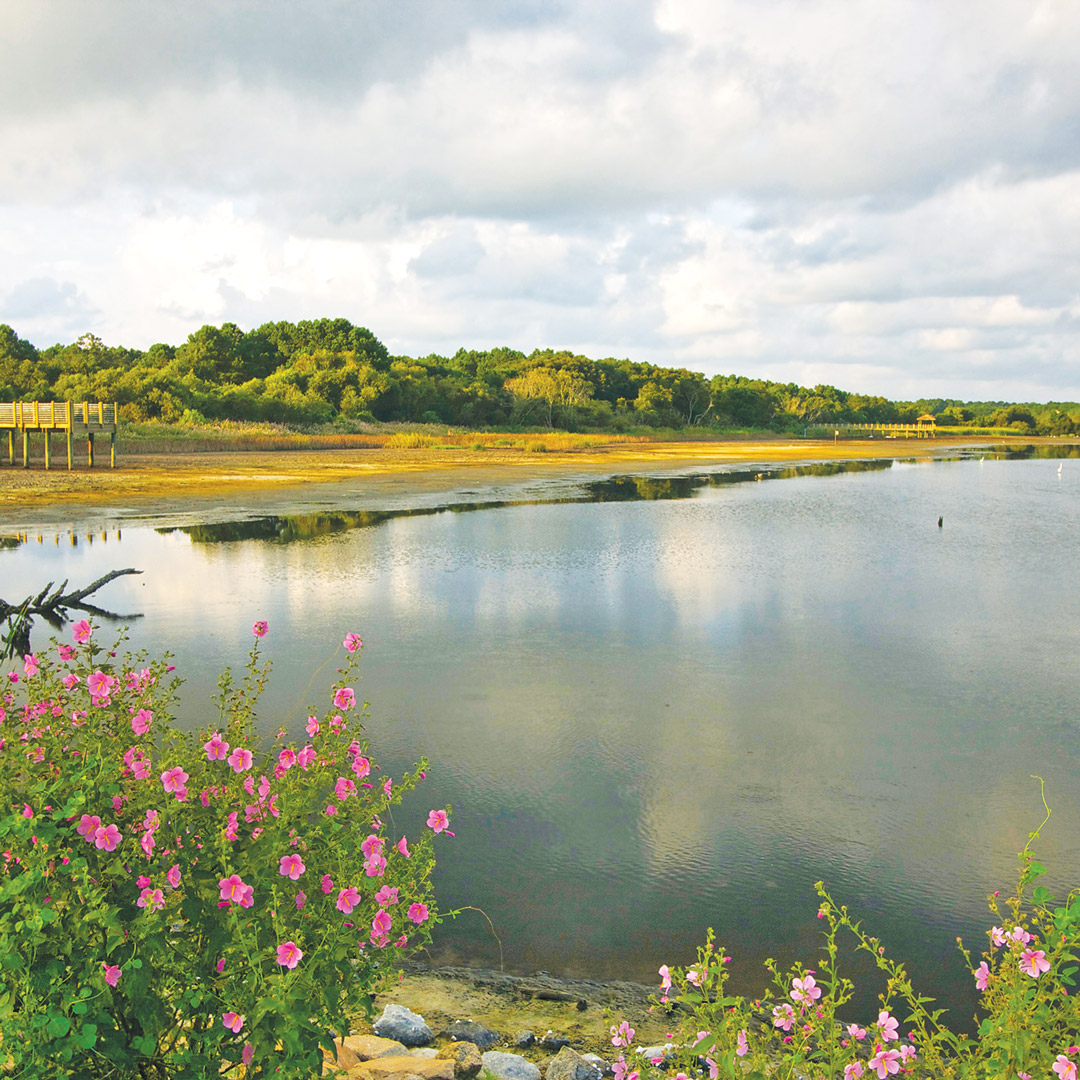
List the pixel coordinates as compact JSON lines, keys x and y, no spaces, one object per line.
{"x":48,"y":418}
{"x":921,"y":430}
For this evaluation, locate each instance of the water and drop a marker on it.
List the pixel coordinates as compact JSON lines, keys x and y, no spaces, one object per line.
{"x":664,"y":704}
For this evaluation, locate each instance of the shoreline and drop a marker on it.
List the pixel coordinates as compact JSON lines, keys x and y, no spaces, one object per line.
{"x":223,"y":484}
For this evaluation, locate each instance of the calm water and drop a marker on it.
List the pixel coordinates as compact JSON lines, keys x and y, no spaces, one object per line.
{"x":661,"y":705}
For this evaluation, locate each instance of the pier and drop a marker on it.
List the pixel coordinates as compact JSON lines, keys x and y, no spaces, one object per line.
{"x":47,"y":418}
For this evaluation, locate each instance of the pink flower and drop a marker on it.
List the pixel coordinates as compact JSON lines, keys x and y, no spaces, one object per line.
{"x":240,"y":760}
{"x":907,"y":1053}
{"x":233,"y":888}
{"x":100,"y":685}
{"x":220,"y":965}
{"x":326,"y":884}
{"x":371,"y":845}
{"x":388,"y":787}
{"x":80,"y":634}
{"x":174,"y":780}
{"x":982,"y":976}
{"x":806,"y":990}
{"x":361,"y":766}
{"x":146,"y":842}
{"x":665,"y":977}
{"x":352,"y":642}
{"x":348,"y":899}
{"x":30,"y":665}
{"x":142,"y":881}
{"x":70,"y":680}
{"x":247,"y":1053}
{"x":381,"y":925}
{"x":1065,"y":1068}
{"x":885,"y":1062}
{"x":216,"y":747}
{"x":344,"y":788}
{"x":783,"y":1016}
{"x":375,"y":866}
{"x":301,"y":899}
{"x":853,"y":1071}
{"x":418,"y":913}
{"x":856,"y":1032}
{"x":140,"y":722}
{"x":141,"y":768}
{"x":306,"y":756}
{"x":312,"y":726}
{"x":289,"y":955}
{"x":259,"y":628}
{"x":997,"y":935}
{"x":231,"y":828}
{"x":108,"y":838}
{"x":88,"y":827}
{"x":233,"y":1021}
{"x":887,"y":1025}
{"x":623,"y":1035}
{"x":437,"y":820}
{"x":1033,"y":962}
{"x":151,"y":899}
{"x":345,"y":698}
{"x":173,"y":876}
{"x":287,"y":758}
{"x":331,"y":810}
{"x":741,"y":1048}
{"x":291,"y":866}
{"x":112,"y":973}
{"x":1020,"y":935}
{"x":386,"y":896}
{"x":403,"y":847}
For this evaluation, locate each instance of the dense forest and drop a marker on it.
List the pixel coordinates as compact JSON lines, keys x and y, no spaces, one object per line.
{"x":330,"y":371}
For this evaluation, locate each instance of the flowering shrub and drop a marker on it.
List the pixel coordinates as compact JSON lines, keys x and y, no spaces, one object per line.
{"x":175,"y":904}
{"x":1030,"y":1027}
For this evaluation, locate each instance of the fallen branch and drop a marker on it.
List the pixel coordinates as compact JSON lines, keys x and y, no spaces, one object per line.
{"x":53,"y":607}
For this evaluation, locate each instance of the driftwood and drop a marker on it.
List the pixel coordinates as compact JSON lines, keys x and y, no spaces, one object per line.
{"x":53,"y":608}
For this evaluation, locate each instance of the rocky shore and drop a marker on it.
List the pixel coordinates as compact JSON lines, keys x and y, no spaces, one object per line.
{"x":454,"y":1023}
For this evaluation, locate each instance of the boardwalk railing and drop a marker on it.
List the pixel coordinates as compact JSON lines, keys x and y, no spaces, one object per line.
{"x":47,"y":417}
{"x":924,"y":430}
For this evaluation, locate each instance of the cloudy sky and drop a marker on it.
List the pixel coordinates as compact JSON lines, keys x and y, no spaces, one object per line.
{"x":879,"y":194}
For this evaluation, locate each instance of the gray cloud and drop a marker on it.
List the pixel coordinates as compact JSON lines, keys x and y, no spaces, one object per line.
{"x":59,"y":303}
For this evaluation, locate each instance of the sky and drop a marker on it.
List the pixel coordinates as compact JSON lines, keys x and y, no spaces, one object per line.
{"x":880,"y":195}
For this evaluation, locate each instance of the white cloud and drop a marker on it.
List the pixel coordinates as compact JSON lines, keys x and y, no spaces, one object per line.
{"x":886,"y":195}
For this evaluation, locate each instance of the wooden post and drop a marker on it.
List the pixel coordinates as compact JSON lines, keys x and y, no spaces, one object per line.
{"x":68,"y":413}
{"x":11,"y":446}
{"x":112,"y":437}
{"x":46,"y":433}
{"x":26,"y":448}
{"x":90,"y":449}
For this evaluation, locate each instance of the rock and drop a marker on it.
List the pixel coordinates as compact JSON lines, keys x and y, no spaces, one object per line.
{"x":342,"y":1058}
{"x":466,"y":1058}
{"x":401,"y":1066}
{"x":469,"y":1031}
{"x":509,"y":1066}
{"x":553,"y":1043}
{"x":422,"y":1052}
{"x":366,"y":1047}
{"x":568,"y":1064}
{"x":651,"y":1052}
{"x":524,"y":1039}
{"x":405,"y":1026}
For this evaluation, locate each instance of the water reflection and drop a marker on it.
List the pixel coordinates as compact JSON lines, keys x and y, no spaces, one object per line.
{"x":680,"y":704}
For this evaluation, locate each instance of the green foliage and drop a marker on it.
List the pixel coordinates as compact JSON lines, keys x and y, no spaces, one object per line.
{"x":1029,"y":1022}
{"x":168,"y":907}
{"x":323,"y":370}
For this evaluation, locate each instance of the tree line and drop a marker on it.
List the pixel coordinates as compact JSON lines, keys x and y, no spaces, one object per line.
{"x":329,"y":371}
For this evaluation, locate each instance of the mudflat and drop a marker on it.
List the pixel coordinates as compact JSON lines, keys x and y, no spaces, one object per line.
{"x":291,"y":481}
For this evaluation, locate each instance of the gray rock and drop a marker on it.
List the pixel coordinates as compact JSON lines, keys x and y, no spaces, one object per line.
{"x":524,"y":1039}
{"x":422,"y":1052}
{"x":650,"y":1052}
{"x":402,"y":1024}
{"x":568,"y":1064}
{"x":509,"y":1066}
{"x":470,"y":1031}
{"x":553,"y":1043}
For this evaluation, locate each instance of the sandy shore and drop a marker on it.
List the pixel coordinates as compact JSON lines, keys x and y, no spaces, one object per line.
{"x":304,"y":481}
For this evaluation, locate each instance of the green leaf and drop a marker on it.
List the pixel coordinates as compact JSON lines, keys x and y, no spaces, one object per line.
{"x":1041,"y":894}
{"x":87,"y":1036}
{"x":57,"y":1027}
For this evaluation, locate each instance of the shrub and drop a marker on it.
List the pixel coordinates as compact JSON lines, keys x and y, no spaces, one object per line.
{"x":173,"y":904}
{"x":1030,"y":1025}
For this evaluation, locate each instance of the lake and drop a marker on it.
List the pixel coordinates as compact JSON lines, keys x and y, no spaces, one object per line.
{"x":659,"y":704}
